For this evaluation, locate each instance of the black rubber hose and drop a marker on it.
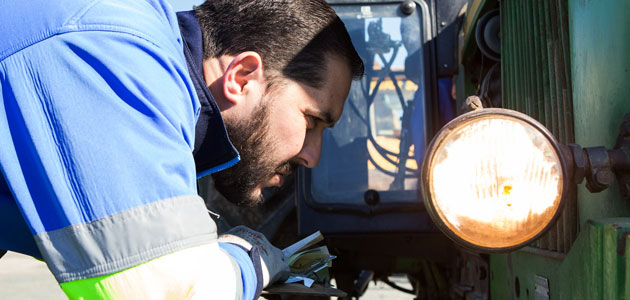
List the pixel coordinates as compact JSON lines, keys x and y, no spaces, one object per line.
{"x":397,"y":287}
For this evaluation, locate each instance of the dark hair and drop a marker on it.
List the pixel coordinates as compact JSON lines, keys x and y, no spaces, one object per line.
{"x":293,"y":37}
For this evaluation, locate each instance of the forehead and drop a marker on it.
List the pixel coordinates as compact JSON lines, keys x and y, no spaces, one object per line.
{"x":331,"y":96}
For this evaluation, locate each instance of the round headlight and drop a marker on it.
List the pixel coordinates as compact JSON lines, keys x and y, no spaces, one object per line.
{"x":494,"y":179}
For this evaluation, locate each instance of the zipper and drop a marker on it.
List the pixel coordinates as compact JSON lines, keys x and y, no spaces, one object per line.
{"x":220,"y":167}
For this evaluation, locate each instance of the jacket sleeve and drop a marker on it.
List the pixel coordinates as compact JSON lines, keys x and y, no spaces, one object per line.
{"x":96,"y":149}
{"x":204,"y":272}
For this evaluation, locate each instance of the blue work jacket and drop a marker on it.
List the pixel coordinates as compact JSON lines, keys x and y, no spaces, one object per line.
{"x":103,"y":114}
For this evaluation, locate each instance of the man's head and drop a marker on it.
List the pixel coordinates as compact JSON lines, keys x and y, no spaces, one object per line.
{"x":280,"y":71}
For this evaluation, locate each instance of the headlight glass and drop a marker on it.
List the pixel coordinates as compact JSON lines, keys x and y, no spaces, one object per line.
{"x":495,"y":181}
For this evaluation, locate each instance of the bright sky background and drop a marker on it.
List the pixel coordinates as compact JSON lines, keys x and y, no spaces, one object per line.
{"x":180,"y":5}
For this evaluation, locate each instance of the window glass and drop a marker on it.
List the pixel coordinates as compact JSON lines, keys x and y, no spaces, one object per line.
{"x":380,"y":139}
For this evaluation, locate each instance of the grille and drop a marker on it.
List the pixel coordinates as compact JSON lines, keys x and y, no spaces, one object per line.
{"x":536,"y":80}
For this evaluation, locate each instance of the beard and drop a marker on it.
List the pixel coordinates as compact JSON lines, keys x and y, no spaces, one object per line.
{"x":241,"y":183}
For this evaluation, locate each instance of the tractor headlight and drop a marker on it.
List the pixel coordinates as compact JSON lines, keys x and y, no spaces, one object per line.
{"x":494,"y":179}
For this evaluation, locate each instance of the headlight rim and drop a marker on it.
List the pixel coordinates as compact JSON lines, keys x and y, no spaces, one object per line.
{"x":440,"y":137}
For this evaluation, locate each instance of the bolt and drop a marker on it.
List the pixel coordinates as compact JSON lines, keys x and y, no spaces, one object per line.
{"x":600,"y":179}
{"x":579,"y":160}
{"x":473,"y":103}
{"x":371,"y":197}
{"x":443,"y":24}
{"x":408,"y":7}
{"x":445,"y":66}
{"x":603,"y":177}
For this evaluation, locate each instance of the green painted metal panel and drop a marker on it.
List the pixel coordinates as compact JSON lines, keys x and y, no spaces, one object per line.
{"x":600,"y":53}
{"x":599,"y":262}
{"x":521,"y":265}
{"x":596,"y":85}
{"x":596,"y":268}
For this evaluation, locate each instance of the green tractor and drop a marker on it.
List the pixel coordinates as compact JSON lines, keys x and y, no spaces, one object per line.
{"x":565,"y":64}
{"x":412,"y":180}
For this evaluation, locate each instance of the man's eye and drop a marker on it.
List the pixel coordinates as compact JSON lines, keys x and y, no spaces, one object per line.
{"x":312,"y":121}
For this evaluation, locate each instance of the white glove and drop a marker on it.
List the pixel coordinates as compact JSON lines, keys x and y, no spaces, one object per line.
{"x":273,"y":267}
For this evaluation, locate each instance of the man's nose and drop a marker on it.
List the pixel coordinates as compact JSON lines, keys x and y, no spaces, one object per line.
{"x":311,"y":150}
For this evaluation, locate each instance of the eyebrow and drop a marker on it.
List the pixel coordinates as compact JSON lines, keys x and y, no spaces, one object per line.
{"x":325,"y":116}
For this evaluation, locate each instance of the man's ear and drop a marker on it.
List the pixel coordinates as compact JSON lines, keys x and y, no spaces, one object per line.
{"x":244,"y":78}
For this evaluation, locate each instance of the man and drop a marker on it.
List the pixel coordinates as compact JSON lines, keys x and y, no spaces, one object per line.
{"x":107,"y":118}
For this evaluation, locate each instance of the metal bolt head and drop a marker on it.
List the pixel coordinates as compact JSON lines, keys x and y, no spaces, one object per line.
{"x":371,"y":197}
{"x":600,"y":179}
{"x":443,"y":24}
{"x":603,"y":177}
{"x":472,"y":103}
{"x":579,"y":162}
{"x":408,"y":7}
{"x":598,"y":157}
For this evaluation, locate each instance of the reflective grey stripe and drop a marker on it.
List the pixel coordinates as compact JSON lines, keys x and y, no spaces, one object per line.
{"x":237,"y":271}
{"x":126,"y":239}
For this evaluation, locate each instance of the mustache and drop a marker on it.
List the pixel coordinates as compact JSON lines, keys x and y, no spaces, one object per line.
{"x":287,"y":167}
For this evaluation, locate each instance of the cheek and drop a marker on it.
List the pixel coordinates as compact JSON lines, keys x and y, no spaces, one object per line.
{"x":288,"y":130}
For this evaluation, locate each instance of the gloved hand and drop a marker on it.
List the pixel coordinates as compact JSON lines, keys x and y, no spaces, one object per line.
{"x":273,"y":267}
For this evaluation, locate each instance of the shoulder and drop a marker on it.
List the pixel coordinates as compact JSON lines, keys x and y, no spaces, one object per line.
{"x":24,"y":23}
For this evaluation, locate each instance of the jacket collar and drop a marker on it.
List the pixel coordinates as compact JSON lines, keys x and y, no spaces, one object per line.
{"x":213,"y":150}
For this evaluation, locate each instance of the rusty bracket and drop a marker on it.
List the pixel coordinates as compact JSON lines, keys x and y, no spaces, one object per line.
{"x":599,"y":165}
{"x":599,"y":173}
